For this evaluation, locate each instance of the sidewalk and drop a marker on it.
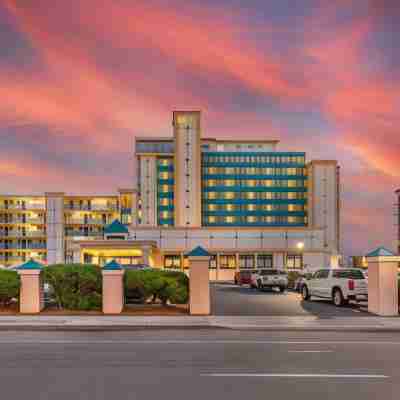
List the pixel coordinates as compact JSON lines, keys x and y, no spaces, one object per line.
{"x":109,"y":323}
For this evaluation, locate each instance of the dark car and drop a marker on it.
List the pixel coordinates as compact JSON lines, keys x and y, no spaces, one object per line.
{"x":244,"y":277}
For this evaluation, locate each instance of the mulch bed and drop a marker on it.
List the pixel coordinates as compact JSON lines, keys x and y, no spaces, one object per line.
{"x":10,"y":310}
{"x":132,"y":310}
{"x":156,"y":310}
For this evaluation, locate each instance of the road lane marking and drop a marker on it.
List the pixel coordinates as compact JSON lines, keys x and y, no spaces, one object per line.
{"x":310,"y":351}
{"x":194,"y":342}
{"x":337,"y":376}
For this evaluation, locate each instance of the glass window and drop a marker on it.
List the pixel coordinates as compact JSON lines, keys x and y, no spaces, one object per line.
{"x":294,"y":261}
{"x":230,"y":207}
{"x":227,"y":261}
{"x":246,"y":261}
{"x":348,"y":274}
{"x":264,"y":261}
{"x":250,"y":195}
{"x":172,"y":261}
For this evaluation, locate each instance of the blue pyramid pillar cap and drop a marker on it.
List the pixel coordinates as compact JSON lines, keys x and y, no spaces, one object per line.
{"x":115,"y":227}
{"x":199,"y":252}
{"x":29,"y":265}
{"x":380,"y":252}
{"x":112,"y":266}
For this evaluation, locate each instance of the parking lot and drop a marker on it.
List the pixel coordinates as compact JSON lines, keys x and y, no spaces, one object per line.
{"x":229,"y":299}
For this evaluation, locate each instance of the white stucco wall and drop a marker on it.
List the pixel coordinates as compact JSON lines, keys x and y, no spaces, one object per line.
{"x":55,"y":228}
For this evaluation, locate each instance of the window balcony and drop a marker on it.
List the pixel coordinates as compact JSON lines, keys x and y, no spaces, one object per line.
{"x":22,"y":234}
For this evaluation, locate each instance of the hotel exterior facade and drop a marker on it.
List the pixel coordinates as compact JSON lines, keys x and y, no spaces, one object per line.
{"x":246,"y":202}
{"x":397,"y":216}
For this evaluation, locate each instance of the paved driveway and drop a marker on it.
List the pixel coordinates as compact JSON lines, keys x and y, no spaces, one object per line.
{"x":229,"y":299}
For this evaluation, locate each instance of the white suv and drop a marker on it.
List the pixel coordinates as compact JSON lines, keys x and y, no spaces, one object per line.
{"x":270,"y":278}
{"x":340,"y":285}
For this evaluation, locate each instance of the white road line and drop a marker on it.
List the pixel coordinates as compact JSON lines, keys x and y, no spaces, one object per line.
{"x":193,"y":342}
{"x":354,"y":376}
{"x":146,"y":341}
{"x":310,"y":351}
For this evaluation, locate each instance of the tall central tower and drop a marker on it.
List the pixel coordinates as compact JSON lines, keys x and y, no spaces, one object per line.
{"x":187,"y":135}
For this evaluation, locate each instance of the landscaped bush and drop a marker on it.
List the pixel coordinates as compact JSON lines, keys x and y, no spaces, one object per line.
{"x":75,"y":286}
{"x":156,"y":285}
{"x":292,"y":276}
{"x":9,"y":287}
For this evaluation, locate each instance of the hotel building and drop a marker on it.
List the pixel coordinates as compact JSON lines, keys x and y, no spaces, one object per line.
{"x":397,"y":215}
{"x":245,"y":201}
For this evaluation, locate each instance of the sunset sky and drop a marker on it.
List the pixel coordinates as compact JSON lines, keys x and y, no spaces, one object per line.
{"x":79,"y":79}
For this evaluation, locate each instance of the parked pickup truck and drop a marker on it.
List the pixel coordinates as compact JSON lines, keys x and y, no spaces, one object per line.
{"x":270,"y":278}
{"x":340,"y":285}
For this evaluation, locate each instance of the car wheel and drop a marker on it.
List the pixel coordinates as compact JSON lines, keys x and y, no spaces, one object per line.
{"x":338,"y":299}
{"x":305,"y":294}
{"x":282,"y":289}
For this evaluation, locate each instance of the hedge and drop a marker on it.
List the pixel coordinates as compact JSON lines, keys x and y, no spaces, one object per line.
{"x":156,"y":285}
{"x":9,"y":287}
{"x":292,"y":276}
{"x":75,"y":286}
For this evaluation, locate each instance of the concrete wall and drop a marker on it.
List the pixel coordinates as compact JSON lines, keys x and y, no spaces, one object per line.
{"x":148,"y":190}
{"x":187,"y":195}
{"x":233,"y":240}
{"x":324,"y":201}
{"x":55,"y":227}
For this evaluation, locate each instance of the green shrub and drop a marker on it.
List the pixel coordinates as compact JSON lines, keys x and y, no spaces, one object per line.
{"x":154,"y":285}
{"x":9,"y":287}
{"x":75,"y":286}
{"x":292,"y":276}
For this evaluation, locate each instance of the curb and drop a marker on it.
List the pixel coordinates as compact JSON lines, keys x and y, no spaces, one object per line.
{"x":238,"y":327}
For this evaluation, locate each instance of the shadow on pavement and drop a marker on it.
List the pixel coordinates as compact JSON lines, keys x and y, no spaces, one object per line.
{"x":326,"y":309}
{"x":249,"y":291}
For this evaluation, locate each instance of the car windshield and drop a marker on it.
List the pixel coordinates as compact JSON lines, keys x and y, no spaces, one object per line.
{"x":349,"y":274}
{"x":268,"y":272}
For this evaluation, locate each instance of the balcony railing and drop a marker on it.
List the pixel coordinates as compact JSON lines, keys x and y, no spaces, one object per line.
{"x":22,"y":234}
{"x":11,"y":246}
{"x":22,"y":221}
{"x":81,"y":221}
{"x":12,"y":260}
{"x":80,"y":233}
{"x":31,"y":206}
{"x":68,"y":207}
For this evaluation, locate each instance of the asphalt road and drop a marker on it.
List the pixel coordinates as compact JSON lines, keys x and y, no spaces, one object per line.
{"x":229,"y":299}
{"x":198,"y":364}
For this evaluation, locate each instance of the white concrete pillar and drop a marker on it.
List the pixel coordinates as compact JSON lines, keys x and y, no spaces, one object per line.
{"x":113,"y":290}
{"x":146,"y":255}
{"x":187,"y":189}
{"x":383,"y":284}
{"x":31,"y":299}
{"x":199,"y":282}
{"x":278,"y":260}
{"x":55,"y":228}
